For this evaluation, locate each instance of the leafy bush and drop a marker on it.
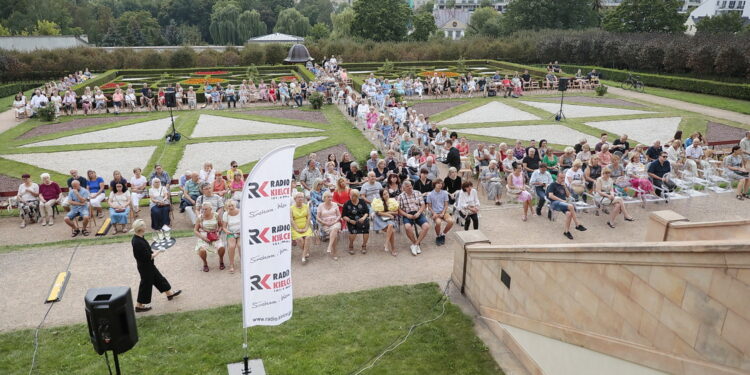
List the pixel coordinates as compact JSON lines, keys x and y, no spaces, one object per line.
{"x":252,"y":72}
{"x":601,"y":90}
{"x":182,"y":58}
{"x":387,"y":66}
{"x":316,"y":100}
{"x":703,"y":86}
{"x":13,"y":88}
{"x":46,"y":113}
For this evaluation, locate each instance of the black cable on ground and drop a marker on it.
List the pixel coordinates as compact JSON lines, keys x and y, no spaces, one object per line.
{"x":398,"y":341}
{"x":39,"y":327}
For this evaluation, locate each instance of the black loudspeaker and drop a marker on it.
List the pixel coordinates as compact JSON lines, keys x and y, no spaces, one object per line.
{"x":111,"y":319}
{"x":171,"y":99}
{"x":562,"y":85}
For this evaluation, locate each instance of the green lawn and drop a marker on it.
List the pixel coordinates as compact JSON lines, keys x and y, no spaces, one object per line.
{"x":327,"y":335}
{"x":729,"y":104}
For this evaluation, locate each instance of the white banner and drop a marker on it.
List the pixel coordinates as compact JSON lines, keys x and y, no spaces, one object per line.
{"x":267,"y":240}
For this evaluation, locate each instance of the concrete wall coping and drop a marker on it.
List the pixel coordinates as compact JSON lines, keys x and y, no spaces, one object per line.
{"x":723,"y":246}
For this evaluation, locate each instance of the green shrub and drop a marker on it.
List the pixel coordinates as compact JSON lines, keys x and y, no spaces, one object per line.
{"x":702,"y":86}
{"x":13,"y":88}
{"x":316,"y":100}
{"x":252,"y":72}
{"x":46,"y":113}
{"x":601,"y":90}
{"x":182,"y":58}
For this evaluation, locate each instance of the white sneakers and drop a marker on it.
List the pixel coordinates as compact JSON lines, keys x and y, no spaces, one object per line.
{"x":415,"y":249}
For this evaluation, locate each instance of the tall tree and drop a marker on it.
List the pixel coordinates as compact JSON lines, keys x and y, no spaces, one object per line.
{"x":729,"y":22}
{"x":44,"y":27}
{"x":342,"y":23}
{"x":484,"y":21}
{"x":646,"y":16}
{"x":549,"y":14}
{"x":139,"y":28}
{"x":316,"y":10}
{"x":269,"y":9}
{"x":319,"y":31}
{"x":424,"y":26}
{"x":292,"y":22}
{"x":250,"y":25}
{"x":381,"y":20}
{"x":172,"y":34}
{"x":223,"y":28}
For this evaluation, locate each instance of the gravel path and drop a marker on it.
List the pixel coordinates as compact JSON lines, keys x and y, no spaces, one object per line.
{"x":102,"y":161}
{"x":430,"y":108}
{"x":596,"y":100}
{"x":717,"y":132}
{"x":573,"y":111}
{"x":685,"y":106}
{"x":144,"y":131}
{"x":558,"y":134}
{"x":645,"y":130}
{"x":8,"y":183}
{"x":73,"y":124}
{"x":490,"y":112}
{"x":292,"y":114}
{"x":243,"y":152}
{"x":322,"y":155}
{"x":214,"y":126}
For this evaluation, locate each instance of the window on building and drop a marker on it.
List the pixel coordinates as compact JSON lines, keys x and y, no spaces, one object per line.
{"x":731,"y":4}
{"x":740,"y":5}
{"x":723,"y":4}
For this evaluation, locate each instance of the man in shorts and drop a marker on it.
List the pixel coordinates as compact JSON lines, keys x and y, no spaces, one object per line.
{"x":558,"y":194}
{"x":411,"y":208}
{"x":437,"y":201}
{"x":78,"y":199}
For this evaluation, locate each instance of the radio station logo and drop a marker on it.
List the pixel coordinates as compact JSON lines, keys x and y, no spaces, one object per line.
{"x":271,"y":235}
{"x":271,"y":281}
{"x":273,"y":189}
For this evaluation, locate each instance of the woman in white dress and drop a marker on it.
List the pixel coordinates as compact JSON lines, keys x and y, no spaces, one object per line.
{"x":232,"y":221}
{"x":137,"y":190}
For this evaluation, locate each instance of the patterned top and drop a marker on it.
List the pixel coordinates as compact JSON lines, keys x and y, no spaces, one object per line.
{"x":410,"y":202}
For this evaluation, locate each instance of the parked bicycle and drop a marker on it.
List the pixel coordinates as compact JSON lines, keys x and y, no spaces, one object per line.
{"x":633,"y":83}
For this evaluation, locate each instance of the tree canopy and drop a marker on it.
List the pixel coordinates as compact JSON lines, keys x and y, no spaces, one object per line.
{"x":317,"y":11}
{"x":645,"y":16}
{"x":549,"y":14}
{"x":342,"y":23}
{"x":729,"y":22}
{"x":424,"y":26}
{"x":485,"y":21}
{"x":381,"y":20}
{"x":292,"y":22}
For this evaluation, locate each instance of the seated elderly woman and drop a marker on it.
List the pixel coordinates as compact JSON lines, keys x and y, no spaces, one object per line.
{"x":138,"y":186}
{"x":207,"y":228}
{"x":235,"y":188}
{"x":517,"y":187}
{"x":492,"y":182}
{"x":316,"y":198}
{"x":637,"y":175}
{"x":28,"y":200}
{"x":160,"y":205}
{"x":219,"y":185}
{"x":355,"y":176}
{"x":736,"y":171}
{"x":119,"y":208}
{"x":356,"y":214}
{"x":96,"y":191}
{"x":574,"y":179}
{"x":605,"y":157}
{"x":385,"y":218}
{"x":606,"y":197}
{"x":331,"y":175}
{"x":467,"y":204}
{"x":592,"y":172}
{"x":49,"y":194}
{"x":301,"y":225}
{"x":567,"y":158}
{"x":329,"y":222}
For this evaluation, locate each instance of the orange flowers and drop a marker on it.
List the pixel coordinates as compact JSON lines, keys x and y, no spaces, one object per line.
{"x":203,"y":81}
{"x":439,"y":74}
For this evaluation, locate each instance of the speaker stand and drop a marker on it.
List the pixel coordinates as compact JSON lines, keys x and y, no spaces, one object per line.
{"x":117,"y":363}
{"x":560,"y":116}
{"x":247,"y":367}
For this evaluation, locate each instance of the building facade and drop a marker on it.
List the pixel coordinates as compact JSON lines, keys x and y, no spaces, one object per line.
{"x":452,"y":22}
{"x":710,"y":8}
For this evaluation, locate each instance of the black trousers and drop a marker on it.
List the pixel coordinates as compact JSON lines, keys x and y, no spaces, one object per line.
{"x":150,"y":277}
{"x":470,"y":218}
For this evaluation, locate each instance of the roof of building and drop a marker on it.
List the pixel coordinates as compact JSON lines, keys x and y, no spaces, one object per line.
{"x":276,"y":38}
{"x":443,"y":16}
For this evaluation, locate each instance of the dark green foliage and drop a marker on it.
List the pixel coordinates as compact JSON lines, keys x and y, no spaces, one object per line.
{"x":319,"y":31}
{"x":46,"y":113}
{"x":548,"y":14}
{"x":182,"y":58}
{"x":292,"y":22}
{"x":728,"y":22}
{"x":601,"y":90}
{"x":646,"y":16}
{"x":316,"y":100}
{"x":424,"y":26}
{"x":380,"y":20}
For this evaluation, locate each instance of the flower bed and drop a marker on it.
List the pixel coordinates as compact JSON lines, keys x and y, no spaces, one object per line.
{"x":113,"y":85}
{"x":439,"y":74}
{"x":202,"y":81}
{"x":287,"y":78}
{"x":211,"y":73}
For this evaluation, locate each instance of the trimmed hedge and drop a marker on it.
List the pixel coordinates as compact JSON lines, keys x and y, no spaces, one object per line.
{"x":729,"y":90}
{"x":99,"y":80}
{"x":13,"y":88}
